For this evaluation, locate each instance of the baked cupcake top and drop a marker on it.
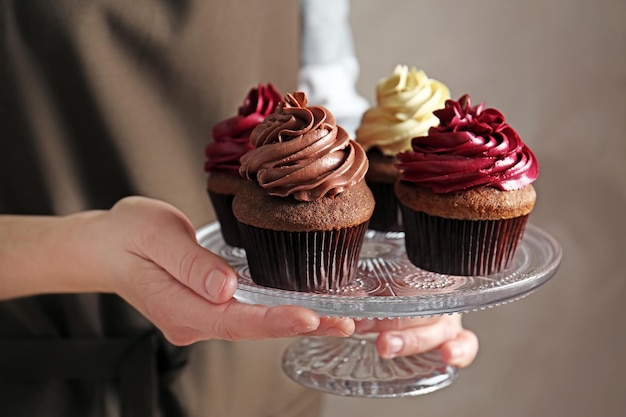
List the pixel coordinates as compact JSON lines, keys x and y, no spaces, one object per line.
{"x":471,"y":147}
{"x":231,"y":137}
{"x":299,"y":151}
{"x":405,"y":102}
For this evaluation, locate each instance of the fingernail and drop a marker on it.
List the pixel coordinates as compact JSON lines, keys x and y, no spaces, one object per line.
{"x":304,"y":327}
{"x":215,"y":282}
{"x":394,"y":346}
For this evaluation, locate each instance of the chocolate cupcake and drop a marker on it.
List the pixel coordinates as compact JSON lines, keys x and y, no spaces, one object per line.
{"x":466,"y":191}
{"x":231,"y":139}
{"x":304,"y":210}
{"x":405,"y":102}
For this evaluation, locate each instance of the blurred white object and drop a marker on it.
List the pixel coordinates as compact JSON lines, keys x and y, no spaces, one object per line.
{"x":329,"y":68}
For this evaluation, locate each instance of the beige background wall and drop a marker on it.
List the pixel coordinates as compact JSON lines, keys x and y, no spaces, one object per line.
{"x":557,"y":70}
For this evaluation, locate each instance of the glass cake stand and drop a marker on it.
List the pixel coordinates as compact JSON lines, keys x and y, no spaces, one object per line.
{"x":388,"y":286}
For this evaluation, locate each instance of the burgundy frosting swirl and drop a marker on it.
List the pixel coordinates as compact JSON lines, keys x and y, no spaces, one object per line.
{"x":472,"y":147}
{"x":231,"y":137}
{"x":300,"y":151}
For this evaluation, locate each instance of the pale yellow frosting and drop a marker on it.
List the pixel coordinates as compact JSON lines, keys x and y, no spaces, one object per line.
{"x":404,"y":109}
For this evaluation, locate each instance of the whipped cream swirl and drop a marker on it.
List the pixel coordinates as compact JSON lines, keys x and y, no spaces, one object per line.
{"x":405,"y":103}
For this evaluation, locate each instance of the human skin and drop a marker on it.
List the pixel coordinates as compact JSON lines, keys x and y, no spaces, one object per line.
{"x":402,"y":337}
{"x":145,"y":251}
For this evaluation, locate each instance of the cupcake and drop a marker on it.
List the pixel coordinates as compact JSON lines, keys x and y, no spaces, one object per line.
{"x":304,"y":208}
{"x":231,"y":139}
{"x":466,"y":191}
{"x":405,"y":102}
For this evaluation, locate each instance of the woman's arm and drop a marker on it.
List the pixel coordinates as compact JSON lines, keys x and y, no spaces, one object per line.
{"x":145,"y":251}
{"x":49,"y":254}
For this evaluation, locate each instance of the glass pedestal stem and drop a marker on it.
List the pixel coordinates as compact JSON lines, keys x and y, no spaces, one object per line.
{"x":352,"y":367}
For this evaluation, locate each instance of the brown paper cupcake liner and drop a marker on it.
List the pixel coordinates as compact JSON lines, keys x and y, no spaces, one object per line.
{"x":386,"y":216}
{"x":223,"y":207}
{"x":461,"y":247}
{"x":318,"y":261}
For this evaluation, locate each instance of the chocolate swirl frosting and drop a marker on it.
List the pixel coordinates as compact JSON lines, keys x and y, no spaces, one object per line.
{"x":472,"y":147}
{"x":301,"y":152}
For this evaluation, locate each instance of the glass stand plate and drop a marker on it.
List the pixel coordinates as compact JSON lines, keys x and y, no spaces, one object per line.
{"x":388,"y":286}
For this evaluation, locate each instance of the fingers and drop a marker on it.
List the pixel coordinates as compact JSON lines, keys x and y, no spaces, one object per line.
{"x":186,"y":290}
{"x":166,"y":237}
{"x":184,"y":317}
{"x":205,"y":273}
{"x":238,"y":321}
{"x":414,"y":340}
{"x":402,"y":337}
{"x":259,"y":322}
{"x":334,"y":326}
{"x":461,"y":351}
{"x":376,"y":325}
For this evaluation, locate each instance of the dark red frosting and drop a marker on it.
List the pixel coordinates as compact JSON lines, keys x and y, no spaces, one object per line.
{"x":231,"y":137}
{"x":472,"y":147}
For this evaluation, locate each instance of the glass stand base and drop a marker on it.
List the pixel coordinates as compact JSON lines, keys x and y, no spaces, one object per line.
{"x":351,"y":367}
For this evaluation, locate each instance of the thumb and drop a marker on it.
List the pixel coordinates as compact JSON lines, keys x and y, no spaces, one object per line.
{"x":202,"y":271}
{"x":173,"y":247}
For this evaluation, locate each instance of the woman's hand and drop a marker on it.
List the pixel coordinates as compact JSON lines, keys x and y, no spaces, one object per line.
{"x":145,"y":251}
{"x":402,"y":337}
{"x":186,"y":290}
